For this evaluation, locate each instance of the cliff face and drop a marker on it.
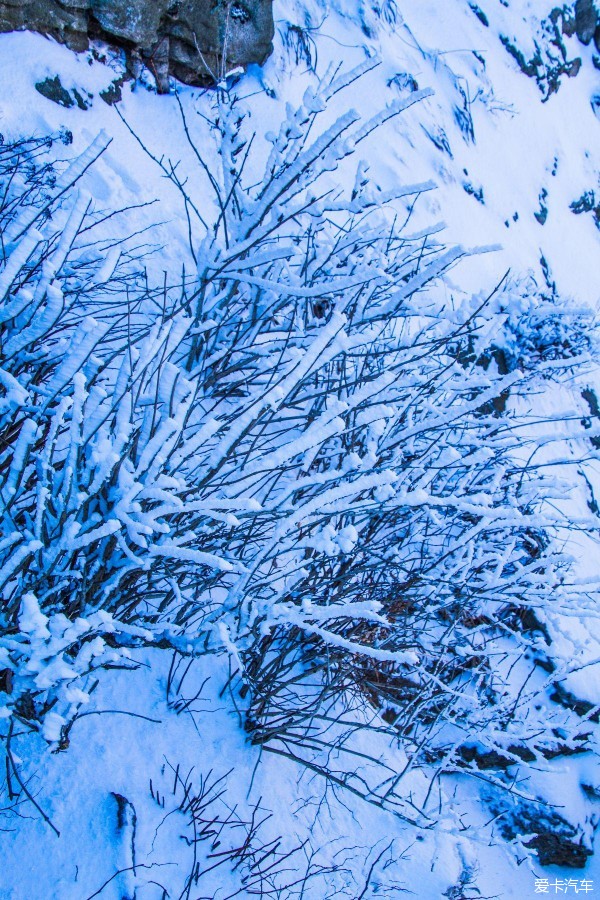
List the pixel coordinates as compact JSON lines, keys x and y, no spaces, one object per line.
{"x":194,"y":40}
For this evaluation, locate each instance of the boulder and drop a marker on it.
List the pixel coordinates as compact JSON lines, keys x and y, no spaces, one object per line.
{"x":135,"y":21}
{"x":586,"y":20}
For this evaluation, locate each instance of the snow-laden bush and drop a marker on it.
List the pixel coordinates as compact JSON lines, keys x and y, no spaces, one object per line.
{"x":88,"y":405}
{"x":404,"y":553}
{"x":310,"y":461}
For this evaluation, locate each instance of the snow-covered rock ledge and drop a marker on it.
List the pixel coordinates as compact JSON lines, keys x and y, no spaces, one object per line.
{"x":193,"y":40}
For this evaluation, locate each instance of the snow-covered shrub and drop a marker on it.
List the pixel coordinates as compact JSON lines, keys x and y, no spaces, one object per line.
{"x":309,"y":460}
{"x":542,"y":326}
{"x":89,"y":409}
{"x":402,"y":541}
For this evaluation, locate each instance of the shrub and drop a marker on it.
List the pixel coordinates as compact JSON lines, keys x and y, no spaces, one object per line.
{"x":305,"y":458}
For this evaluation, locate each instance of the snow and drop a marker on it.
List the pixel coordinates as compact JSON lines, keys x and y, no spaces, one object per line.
{"x":144,"y":725}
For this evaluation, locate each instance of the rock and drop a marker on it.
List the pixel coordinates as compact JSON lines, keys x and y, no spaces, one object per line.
{"x":567,"y":17}
{"x":591,"y":791}
{"x":585,"y":203}
{"x":480,"y":14}
{"x":586,"y":20}
{"x":197,"y":41}
{"x":68,"y":25}
{"x":52,"y":89}
{"x":556,"y":841}
{"x":560,"y":850}
{"x":597,"y":38}
{"x":218,"y":37}
{"x":112,"y":94}
{"x":492,"y":759}
{"x":136,"y":21}
{"x":560,"y":694}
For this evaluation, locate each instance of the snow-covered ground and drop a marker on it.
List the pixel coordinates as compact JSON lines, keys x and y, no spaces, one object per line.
{"x":508,"y":164}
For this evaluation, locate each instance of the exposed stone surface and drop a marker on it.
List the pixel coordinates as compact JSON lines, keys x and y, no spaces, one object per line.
{"x":197,"y":41}
{"x":556,"y":841}
{"x":586,"y":20}
{"x":52,"y":89}
{"x":560,"y":850}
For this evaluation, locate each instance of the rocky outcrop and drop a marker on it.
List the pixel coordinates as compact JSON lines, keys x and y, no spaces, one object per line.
{"x":197,"y":41}
{"x":586,"y":20}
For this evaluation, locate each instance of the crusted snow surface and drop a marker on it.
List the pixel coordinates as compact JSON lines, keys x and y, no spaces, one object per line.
{"x":111,"y":813}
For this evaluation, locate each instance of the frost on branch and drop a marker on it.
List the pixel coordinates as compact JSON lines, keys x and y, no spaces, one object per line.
{"x":405,"y":558}
{"x":306,"y":459}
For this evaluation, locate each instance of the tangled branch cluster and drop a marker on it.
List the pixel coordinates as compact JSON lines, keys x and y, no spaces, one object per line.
{"x":304,"y":457}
